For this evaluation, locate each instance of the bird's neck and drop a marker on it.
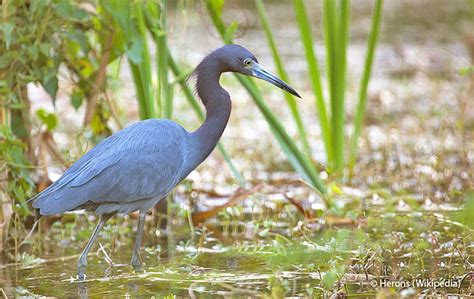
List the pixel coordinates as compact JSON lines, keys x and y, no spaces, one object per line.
{"x":218,"y":106}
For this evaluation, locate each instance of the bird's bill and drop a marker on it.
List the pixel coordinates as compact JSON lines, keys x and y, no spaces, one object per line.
{"x":261,"y":73}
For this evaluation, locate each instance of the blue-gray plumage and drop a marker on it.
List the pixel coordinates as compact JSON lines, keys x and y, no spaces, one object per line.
{"x":135,"y":168}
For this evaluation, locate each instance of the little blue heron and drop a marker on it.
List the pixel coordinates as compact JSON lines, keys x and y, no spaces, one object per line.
{"x":135,"y":168}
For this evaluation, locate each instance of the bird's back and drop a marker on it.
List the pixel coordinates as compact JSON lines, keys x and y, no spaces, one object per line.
{"x":131,"y":168}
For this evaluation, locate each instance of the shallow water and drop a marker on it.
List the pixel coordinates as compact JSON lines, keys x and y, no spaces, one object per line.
{"x":395,"y":245}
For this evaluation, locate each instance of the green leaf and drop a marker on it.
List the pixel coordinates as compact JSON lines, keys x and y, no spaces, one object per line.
{"x":334,"y":188}
{"x":77,"y":98}
{"x":304,"y":26}
{"x":44,"y":48}
{"x":33,"y":51}
{"x":230,"y":30}
{"x":217,"y":6}
{"x":134,"y":52}
{"x":464,"y":216}
{"x":49,"y":119}
{"x":330,"y":278}
{"x":68,"y":10}
{"x":466,"y":71}
{"x":50,"y":84}
{"x":7,"y":29}
{"x":120,"y":12}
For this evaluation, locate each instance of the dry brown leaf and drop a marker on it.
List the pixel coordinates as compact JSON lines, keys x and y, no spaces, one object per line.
{"x":336,"y":221}
{"x":239,"y":195}
{"x":307,"y":214}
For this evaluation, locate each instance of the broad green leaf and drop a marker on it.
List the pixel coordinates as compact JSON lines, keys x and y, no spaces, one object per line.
{"x":49,"y":119}
{"x":50,"y":84}
{"x":77,"y":98}
{"x":120,"y":11}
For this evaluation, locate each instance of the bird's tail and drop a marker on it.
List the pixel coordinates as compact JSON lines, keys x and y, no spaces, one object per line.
{"x":33,"y":198}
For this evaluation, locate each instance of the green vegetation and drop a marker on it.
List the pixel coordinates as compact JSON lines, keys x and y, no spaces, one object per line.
{"x":298,"y":160}
{"x":336,"y":33}
{"x":86,"y":43}
{"x":263,"y":254}
{"x":406,"y":213}
{"x":364,"y":82}
{"x":336,"y":16}
{"x":31,"y":54}
{"x":290,"y":100}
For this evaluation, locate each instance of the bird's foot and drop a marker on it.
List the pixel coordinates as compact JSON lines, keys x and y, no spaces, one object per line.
{"x":138,"y":267}
{"x":81,"y":269}
{"x":81,"y":273}
{"x":137,"y":262}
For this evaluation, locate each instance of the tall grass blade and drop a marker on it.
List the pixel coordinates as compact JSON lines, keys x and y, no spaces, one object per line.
{"x":299,"y":161}
{"x":128,"y":20}
{"x":164,"y":88}
{"x":336,"y":19}
{"x":364,"y":82}
{"x":157,"y":25}
{"x":143,"y":110}
{"x":338,"y":112}
{"x":330,"y":38}
{"x":290,"y":100}
{"x":141,"y":68}
{"x":315,"y":77}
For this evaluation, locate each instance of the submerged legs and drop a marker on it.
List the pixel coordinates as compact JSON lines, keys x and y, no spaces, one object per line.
{"x":82,"y":262}
{"x":136,"y":260}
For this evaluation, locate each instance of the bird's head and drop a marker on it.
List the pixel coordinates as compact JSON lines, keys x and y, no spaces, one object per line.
{"x":235,"y":58}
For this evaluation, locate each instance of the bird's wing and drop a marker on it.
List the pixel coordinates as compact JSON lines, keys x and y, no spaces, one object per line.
{"x":142,"y":161}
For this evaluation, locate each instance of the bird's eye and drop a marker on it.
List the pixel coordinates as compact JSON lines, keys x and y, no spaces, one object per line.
{"x":248,"y":62}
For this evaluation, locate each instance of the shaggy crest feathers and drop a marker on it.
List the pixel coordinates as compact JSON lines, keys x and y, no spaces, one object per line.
{"x":231,"y":58}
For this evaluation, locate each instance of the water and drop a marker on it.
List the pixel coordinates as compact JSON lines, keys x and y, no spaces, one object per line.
{"x":290,"y":260}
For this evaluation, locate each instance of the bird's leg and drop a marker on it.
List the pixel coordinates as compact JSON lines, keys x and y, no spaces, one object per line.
{"x":136,"y":260}
{"x":82,"y":262}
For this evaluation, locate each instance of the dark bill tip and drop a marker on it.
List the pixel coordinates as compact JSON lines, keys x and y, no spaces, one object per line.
{"x":260,"y":73}
{"x":293,"y":92}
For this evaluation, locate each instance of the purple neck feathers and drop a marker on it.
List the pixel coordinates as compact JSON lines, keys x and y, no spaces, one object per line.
{"x":218,"y":107}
